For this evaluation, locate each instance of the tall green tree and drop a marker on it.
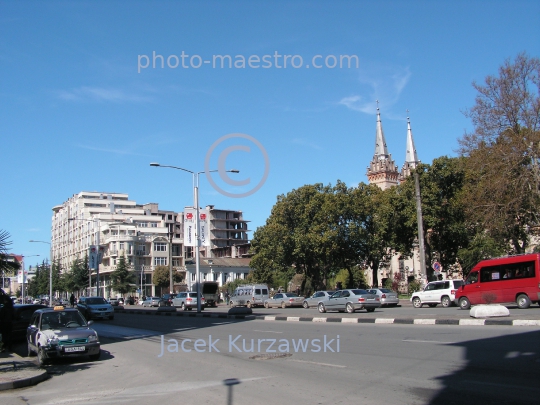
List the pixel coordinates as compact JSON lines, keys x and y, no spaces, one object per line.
{"x":122,"y":280}
{"x":502,"y":191}
{"x":161,"y":277}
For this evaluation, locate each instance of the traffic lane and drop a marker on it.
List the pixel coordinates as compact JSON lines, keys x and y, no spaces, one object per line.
{"x":398,"y":364}
{"x":405,"y":311}
{"x":374,"y":363}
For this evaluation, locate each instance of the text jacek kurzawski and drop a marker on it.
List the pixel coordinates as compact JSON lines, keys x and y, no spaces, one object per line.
{"x":237,"y":344}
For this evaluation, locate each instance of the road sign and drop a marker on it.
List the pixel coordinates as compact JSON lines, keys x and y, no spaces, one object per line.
{"x":436,"y":266}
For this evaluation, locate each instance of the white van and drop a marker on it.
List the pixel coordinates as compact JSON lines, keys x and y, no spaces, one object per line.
{"x":249,"y":295}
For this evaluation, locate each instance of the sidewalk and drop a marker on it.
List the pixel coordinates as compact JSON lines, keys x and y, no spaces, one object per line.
{"x":18,"y":372}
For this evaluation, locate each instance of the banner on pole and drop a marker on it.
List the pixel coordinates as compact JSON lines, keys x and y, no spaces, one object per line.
{"x":189,"y":227}
{"x":93,"y":257}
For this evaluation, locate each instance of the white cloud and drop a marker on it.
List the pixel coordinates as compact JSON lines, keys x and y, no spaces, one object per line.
{"x":383,"y":84}
{"x":303,"y":142}
{"x":86,"y":93}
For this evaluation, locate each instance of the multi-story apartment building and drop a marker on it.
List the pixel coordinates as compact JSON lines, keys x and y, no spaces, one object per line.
{"x":144,"y":234}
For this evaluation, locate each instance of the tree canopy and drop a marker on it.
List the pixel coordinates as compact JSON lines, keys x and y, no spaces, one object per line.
{"x":502,"y":191}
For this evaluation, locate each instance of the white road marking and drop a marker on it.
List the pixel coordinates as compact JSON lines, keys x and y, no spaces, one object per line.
{"x":317,"y":363}
{"x":427,"y":341}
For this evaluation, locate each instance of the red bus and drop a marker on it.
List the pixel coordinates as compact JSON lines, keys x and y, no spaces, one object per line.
{"x":502,"y":280}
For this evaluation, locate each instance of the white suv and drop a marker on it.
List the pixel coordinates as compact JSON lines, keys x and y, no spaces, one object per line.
{"x":437,"y":292}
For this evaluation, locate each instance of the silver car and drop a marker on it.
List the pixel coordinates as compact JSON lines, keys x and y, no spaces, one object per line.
{"x":284,"y":300}
{"x":187,"y":301}
{"x":314,"y":300}
{"x":387,"y":296}
{"x":151,"y":302}
{"x":350,"y":301}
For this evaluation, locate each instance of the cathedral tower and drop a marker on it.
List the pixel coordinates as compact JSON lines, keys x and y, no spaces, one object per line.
{"x":382,"y":170}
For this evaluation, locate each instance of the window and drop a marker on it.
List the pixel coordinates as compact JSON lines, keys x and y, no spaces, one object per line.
{"x":153,"y":224}
{"x":192,"y":276}
{"x":160,"y":261}
{"x":160,"y":247}
{"x":121,"y":246}
{"x":176,"y":262}
{"x":143,"y":225}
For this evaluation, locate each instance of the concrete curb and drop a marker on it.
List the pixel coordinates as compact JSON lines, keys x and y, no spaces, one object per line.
{"x":32,"y":376}
{"x":382,"y":321}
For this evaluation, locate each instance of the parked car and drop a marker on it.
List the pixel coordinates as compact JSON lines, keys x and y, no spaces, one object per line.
{"x":115,"y":302}
{"x":151,"y":302}
{"x":166,"y":300}
{"x":350,"y":301}
{"x":437,"y":292}
{"x":61,"y":332}
{"x":22,"y":313}
{"x":95,"y":308}
{"x":388,"y":297}
{"x":317,"y":297}
{"x":187,"y":300}
{"x":284,"y":300}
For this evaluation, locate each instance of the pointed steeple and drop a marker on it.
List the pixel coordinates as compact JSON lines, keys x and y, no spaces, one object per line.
{"x":411,"y":158}
{"x":382,"y":170}
{"x":380,"y":143}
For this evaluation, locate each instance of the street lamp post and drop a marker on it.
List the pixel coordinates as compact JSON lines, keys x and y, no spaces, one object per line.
{"x":197,"y":223}
{"x":50,"y":268}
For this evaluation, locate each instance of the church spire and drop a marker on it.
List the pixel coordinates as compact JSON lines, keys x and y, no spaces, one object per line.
{"x":411,"y":158}
{"x":382,"y":170}
{"x":380,"y":143}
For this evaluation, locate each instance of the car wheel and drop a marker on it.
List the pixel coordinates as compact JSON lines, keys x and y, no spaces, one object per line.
{"x":370,"y":309}
{"x":266,"y":305}
{"x":305,"y":304}
{"x":248,"y":304}
{"x":464,"y":303}
{"x":416,"y":302}
{"x":189,"y":309}
{"x":523,"y":302}
{"x":111,"y":317}
{"x":183,"y":306}
{"x":432,"y":305}
{"x":30,"y":351}
{"x":446,"y":302}
{"x":231,"y":304}
{"x":95,"y":357}
{"x":349,"y":308}
{"x":283,"y":305}
{"x":42,"y":357}
{"x":321,"y":308}
{"x":202,"y":308}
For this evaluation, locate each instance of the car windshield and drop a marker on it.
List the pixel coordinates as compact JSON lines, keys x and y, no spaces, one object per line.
{"x":386,"y":290}
{"x":62,"y":319}
{"x":95,"y":301}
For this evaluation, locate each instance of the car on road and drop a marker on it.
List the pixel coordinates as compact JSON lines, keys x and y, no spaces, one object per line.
{"x":61,"y":332}
{"x":95,"y":308}
{"x":284,"y":300}
{"x":187,"y":300}
{"x":166,"y":300}
{"x":350,"y":301}
{"x":22,"y":313}
{"x":387,"y":296}
{"x":151,"y":302}
{"x":317,"y":297}
{"x":437,"y":292}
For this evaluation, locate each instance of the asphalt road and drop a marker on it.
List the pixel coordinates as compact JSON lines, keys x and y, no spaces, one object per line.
{"x":371,"y":364}
{"x":406,"y":310}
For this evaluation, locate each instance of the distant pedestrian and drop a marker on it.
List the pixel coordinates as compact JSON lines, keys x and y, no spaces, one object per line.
{"x":72,"y":300}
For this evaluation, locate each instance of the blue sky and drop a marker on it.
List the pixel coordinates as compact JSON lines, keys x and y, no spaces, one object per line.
{"x":79,"y":115}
